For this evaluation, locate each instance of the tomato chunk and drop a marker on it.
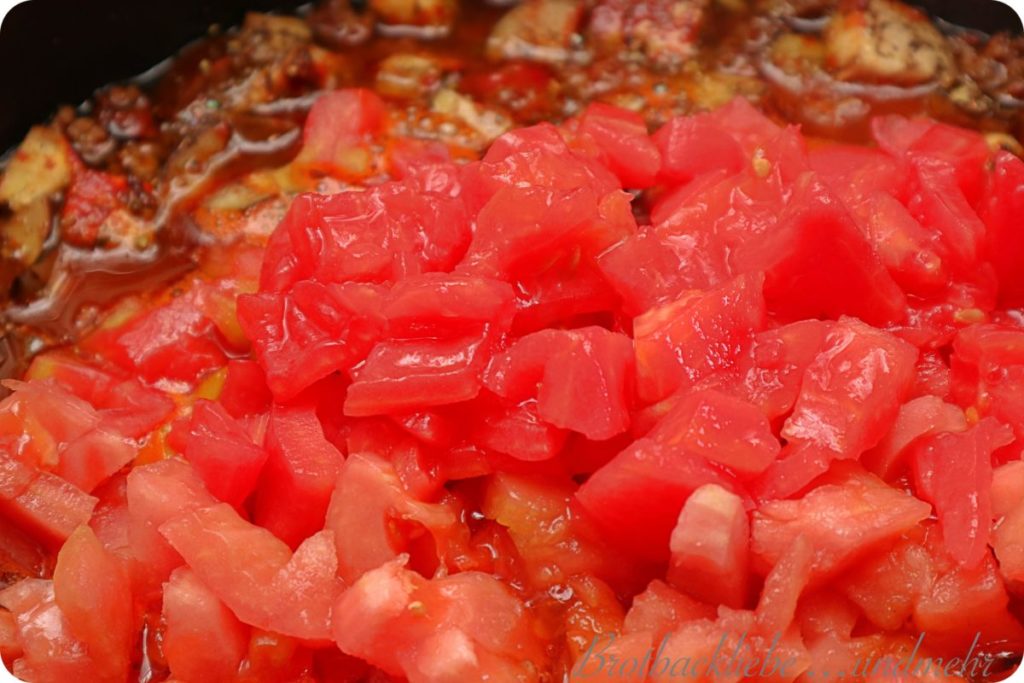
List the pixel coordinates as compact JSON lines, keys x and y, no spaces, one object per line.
{"x":255,"y":574}
{"x":711,"y":547}
{"x":202,"y":641}
{"x":621,"y":135}
{"x":636,"y":498}
{"x":310,"y":332}
{"x":296,"y":485}
{"x":848,"y":400}
{"x":842,"y":521}
{"x":94,"y":595}
{"x":722,"y":429}
{"x":223,"y":453}
{"x":954,"y":472}
{"x":681,"y":342}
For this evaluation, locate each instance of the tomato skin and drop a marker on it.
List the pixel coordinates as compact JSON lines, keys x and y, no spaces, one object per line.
{"x":621,"y":135}
{"x":849,"y":397}
{"x":699,"y":333}
{"x":954,"y":472}
{"x":93,"y":592}
{"x":223,"y":453}
{"x":299,"y":477}
{"x":202,"y":640}
{"x":710,"y":547}
{"x":310,"y":332}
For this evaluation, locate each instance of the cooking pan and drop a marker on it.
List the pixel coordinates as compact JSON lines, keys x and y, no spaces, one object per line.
{"x":55,"y":52}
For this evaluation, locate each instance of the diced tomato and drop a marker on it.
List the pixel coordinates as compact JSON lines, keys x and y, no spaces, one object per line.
{"x":255,"y":574}
{"x":693,"y":145}
{"x":52,"y":430}
{"x":954,"y":472}
{"x":157,"y":493}
{"x":402,"y":375}
{"x":887,"y":586}
{"x":817,"y":263}
{"x":848,"y":400}
{"x":624,"y":657}
{"x":964,"y":150}
{"x":636,"y":498}
{"x":245,"y":389}
{"x":941,"y":205}
{"x":310,"y":332}
{"x":42,"y":503}
{"x":468,"y":626}
{"x":700,"y":332}
{"x":621,"y":135}
{"x":1008,"y":544}
{"x":783,"y":587}
{"x":50,"y":653}
{"x":380,"y":234}
{"x":91,"y":198}
{"x":442,"y":304}
{"x":369,"y":511}
{"x":1007,"y":488}
{"x":582,"y":378}
{"x":710,"y":548}
{"x":94,"y":595}
{"x":771,"y":374}
{"x":917,"y":418}
{"x":202,"y":640}
{"x":661,"y":608}
{"x":174,"y":342}
{"x":842,"y":520}
{"x":338,"y":125}
{"x":649,"y":269}
{"x":124,"y":404}
{"x":223,"y":453}
{"x":963,"y":603}
{"x":1001,"y":204}
{"x":569,"y":293}
{"x":722,"y":429}
{"x":553,"y":540}
{"x":523,"y":227}
{"x":299,"y":477}
{"x":520,"y":432}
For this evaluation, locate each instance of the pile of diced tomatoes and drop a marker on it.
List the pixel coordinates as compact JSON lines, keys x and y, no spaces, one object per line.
{"x":458,"y":420}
